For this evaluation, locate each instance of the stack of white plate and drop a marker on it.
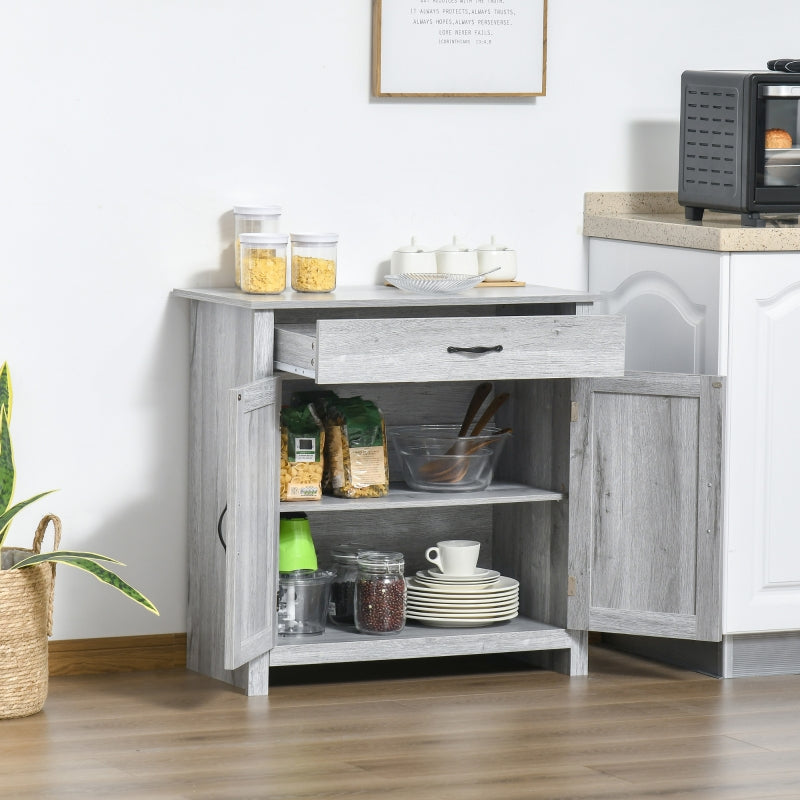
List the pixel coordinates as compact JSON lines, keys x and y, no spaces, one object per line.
{"x":448,"y":601}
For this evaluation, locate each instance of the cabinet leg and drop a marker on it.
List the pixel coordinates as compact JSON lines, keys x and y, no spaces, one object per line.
{"x":579,"y":653}
{"x":253,"y":677}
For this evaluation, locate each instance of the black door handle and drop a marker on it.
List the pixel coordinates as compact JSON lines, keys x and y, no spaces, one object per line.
{"x":496,"y":349}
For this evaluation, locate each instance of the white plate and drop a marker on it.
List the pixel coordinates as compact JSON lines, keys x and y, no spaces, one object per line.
{"x":489,"y":576}
{"x":462,"y":602}
{"x":464,"y":611}
{"x":480,"y":574}
{"x":502,"y":585}
{"x":433,"y":282}
{"x":441,"y":622}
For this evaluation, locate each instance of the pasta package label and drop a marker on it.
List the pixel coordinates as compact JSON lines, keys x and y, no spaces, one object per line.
{"x":302,"y":444}
{"x":367,"y":466}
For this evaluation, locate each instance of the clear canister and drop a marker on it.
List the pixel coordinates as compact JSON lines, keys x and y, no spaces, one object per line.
{"x":263,"y":262}
{"x":252,"y":219}
{"x":314,"y":262}
{"x":380,"y":601}
{"x":344,"y":565}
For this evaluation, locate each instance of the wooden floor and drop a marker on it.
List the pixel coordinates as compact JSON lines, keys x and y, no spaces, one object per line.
{"x":409,"y":731}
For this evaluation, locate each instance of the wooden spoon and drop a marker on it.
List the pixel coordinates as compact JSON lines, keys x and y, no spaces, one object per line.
{"x":479,"y":395}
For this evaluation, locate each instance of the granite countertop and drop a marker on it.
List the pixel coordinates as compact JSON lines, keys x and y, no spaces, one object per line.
{"x":656,"y":218}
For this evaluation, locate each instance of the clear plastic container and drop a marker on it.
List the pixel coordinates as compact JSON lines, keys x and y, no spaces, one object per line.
{"x":252,"y":219}
{"x":314,"y":262}
{"x":380,"y":601}
{"x":303,"y":596}
{"x":263,"y":262}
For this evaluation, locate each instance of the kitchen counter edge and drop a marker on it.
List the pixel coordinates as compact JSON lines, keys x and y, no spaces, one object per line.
{"x":657,"y":218}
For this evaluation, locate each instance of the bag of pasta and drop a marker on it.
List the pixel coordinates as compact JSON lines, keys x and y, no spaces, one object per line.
{"x":320,"y":399}
{"x":302,"y":445}
{"x":356,"y":452}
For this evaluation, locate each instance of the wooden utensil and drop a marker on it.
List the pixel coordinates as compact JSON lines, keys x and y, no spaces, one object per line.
{"x":479,"y":395}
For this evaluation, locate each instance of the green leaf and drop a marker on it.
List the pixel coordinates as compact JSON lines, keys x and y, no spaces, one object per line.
{"x":102,"y":574}
{"x":10,"y":513}
{"x":63,"y":555}
{"x":5,"y":388}
{"x":7,"y":470}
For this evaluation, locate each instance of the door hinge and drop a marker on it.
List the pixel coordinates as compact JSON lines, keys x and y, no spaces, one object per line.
{"x":573,"y":411}
{"x":571,"y":586}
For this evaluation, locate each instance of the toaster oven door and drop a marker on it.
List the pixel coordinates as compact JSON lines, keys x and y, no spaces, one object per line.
{"x":777,"y":144}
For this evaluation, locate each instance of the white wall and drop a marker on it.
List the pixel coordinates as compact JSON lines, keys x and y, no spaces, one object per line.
{"x":129,"y":129}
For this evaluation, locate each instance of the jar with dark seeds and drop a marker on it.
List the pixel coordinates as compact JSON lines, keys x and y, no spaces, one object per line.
{"x":380,"y":601}
{"x":343,"y":589}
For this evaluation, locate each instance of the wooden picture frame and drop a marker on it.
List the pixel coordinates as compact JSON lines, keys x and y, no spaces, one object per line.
{"x":459,"y":48}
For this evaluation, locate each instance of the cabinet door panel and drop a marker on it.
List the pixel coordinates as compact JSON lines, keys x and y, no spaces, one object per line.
{"x":644,"y":505}
{"x":251,"y":543}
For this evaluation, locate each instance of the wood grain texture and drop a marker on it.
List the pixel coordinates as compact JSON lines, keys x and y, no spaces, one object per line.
{"x":451,"y":729}
{"x":647,"y":461}
{"x":346,"y":351}
{"x":117,"y":654}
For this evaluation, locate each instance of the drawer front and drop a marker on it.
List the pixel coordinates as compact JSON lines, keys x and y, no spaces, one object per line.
{"x":459,"y":348}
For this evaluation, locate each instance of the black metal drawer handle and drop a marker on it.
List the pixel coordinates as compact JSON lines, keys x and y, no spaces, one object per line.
{"x":496,"y":349}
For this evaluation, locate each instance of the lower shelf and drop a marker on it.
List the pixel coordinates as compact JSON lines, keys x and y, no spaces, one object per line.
{"x":418,"y":641}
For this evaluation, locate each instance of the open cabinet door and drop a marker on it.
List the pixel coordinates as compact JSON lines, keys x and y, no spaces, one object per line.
{"x":645,"y":505}
{"x":251,"y":553}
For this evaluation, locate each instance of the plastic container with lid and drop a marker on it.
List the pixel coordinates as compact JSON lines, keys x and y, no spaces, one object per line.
{"x":262,"y":262}
{"x":344,"y":565}
{"x":380,"y":601}
{"x":252,"y":219}
{"x":503,"y":260}
{"x":314,"y":262}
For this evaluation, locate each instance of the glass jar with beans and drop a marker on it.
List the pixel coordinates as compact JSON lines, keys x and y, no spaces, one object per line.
{"x":380,"y":600}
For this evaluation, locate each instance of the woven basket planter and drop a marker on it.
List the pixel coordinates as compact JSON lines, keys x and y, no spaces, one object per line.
{"x":26,"y":620}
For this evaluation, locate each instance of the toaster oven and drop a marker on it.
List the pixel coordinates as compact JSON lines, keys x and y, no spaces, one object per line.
{"x":740,"y":144}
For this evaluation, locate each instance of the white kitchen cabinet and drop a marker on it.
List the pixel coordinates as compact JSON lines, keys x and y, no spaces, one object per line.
{"x":736,"y":314}
{"x":538,"y":521}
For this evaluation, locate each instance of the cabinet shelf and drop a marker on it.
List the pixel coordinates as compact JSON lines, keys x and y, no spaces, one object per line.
{"x":418,"y":641}
{"x":400,"y":496}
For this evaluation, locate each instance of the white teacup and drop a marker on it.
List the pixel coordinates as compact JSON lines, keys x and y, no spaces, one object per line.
{"x":457,"y":557}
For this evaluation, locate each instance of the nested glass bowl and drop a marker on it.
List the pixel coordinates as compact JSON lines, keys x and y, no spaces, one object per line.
{"x":434,"y":458}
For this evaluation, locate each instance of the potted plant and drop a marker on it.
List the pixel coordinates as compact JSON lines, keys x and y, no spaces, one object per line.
{"x":26,"y":586}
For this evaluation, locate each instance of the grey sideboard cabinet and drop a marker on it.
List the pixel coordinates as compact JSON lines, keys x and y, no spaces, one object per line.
{"x":557,"y":517}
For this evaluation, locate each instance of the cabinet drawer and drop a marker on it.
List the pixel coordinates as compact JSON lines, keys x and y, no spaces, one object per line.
{"x":452,"y":348}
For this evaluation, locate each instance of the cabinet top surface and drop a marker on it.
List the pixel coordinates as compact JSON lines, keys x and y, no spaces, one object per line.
{"x":386,"y":297}
{"x":657,"y":218}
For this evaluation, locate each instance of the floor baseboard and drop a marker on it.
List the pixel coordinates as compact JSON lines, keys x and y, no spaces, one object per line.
{"x":117,"y":654}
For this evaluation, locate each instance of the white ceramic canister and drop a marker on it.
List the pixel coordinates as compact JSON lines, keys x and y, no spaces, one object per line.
{"x":252,"y":219}
{"x":411,"y":258}
{"x":494,"y":256}
{"x":456,"y":259}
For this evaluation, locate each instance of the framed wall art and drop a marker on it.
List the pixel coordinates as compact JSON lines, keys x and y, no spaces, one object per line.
{"x":459,"y":48}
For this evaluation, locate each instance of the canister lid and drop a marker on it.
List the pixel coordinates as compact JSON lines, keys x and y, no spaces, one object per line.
{"x":257,"y":211}
{"x":411,"y":248}
{"x":264,"y":238}
{"x":454,"y":247}
{"x":315,"y":238}
{"x":348,"y":551}
{"x":305,"y":577}
{"x":493,"y":246}
{"x":375,"y":559}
